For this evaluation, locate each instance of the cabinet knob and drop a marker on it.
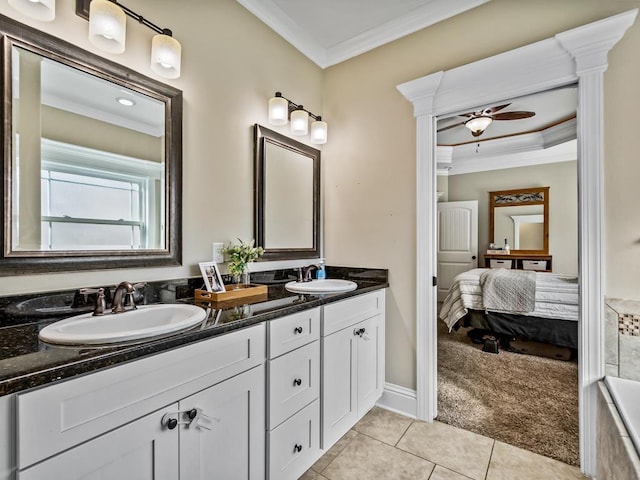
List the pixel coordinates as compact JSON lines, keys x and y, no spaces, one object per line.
{"x":297,"y":448}
{"x":359,"y":332}
{"x":297,"y":330}
{"x":172,"y":423}
{"x":193,"y":413}
{"x":297,"y":382}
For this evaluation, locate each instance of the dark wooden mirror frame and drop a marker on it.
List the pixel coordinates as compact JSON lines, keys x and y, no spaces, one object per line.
{"x":528,"y":196}
{"x":261,"y":136}
{"x":14,"y":33}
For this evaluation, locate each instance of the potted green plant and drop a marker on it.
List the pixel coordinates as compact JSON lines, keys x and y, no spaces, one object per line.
{"x":240,"y":256}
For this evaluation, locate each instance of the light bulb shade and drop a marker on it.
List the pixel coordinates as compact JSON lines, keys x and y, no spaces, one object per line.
{"x":166,"y":53}
{"x":107,"y":26}
{"x":477,"y":125}
{"x":278,"y":111}
{"x":318,"y":135}
{"x":299,"y":122}
{"x":43,"y":10}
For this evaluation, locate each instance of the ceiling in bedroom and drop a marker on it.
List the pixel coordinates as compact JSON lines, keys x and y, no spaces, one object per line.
{"x":332,"y":31}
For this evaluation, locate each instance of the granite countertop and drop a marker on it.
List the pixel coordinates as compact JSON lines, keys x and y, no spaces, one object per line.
{"x":27,"y":362}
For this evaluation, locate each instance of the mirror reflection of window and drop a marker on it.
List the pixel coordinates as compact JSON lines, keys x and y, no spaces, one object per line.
{"x":98,"y":151}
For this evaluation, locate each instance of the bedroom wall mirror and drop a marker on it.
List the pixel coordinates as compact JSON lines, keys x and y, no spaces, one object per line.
{"x":287,"y":196}
{"x":92,"y":160}
{"x":522,"y":217}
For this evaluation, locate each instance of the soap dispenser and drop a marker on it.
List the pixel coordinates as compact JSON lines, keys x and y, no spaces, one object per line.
{"x":321,"y":274}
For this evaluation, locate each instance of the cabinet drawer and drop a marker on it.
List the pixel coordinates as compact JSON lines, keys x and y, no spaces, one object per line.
{"x":343,"y":314}
{"x":54,"y":418}
{"x":293,"y":331}
{"x":294,"y":381}
{"x":497,"y":263}
{"x":534,"y":264}
{"x":295,"y":445}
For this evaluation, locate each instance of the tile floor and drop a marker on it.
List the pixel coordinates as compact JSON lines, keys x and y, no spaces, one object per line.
{"x":385,"y":445}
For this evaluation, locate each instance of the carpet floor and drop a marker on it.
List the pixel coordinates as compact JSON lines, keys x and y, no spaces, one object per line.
{"x":523,"y":400}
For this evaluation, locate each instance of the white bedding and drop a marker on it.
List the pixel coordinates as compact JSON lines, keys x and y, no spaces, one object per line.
{"x":556,"y":297}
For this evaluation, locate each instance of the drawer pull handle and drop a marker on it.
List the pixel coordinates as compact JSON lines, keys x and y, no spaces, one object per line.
{"x":297,"y":448}
{"x":297,"y":330}
{"x":297,"y":382}
{"x":359,"y":332}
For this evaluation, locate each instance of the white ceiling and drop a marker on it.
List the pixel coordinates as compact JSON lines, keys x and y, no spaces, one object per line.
{"x":332,"y":31}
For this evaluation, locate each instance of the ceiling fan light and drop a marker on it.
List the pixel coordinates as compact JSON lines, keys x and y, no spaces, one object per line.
{"x":166,"y":53}
{"x":299,"y":121}
{"x":107,"y":26}
{"x":477,"y":125}
{"x":43,"y":10}
{"x":278,"y":110}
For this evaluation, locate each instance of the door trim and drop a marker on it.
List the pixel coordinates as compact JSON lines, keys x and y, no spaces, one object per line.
{"x":578,"y":55}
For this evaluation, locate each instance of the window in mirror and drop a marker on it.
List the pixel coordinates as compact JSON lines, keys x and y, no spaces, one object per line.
{"x":92,"y":160}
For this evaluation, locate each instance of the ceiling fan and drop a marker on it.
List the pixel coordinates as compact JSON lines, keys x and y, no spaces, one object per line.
{"x":479,"y":120}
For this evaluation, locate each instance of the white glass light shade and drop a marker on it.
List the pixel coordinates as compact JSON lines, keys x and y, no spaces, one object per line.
{"x":278,"y":111}
{"x":107,"y":26}
{"x":166,"y":53}
{"x":318,"y":135}
{"x":477,"y":125}
{"x":299,"y":122}
{"x":43,"y":10}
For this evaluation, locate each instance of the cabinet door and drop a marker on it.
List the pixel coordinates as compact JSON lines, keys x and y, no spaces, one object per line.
{"x":370,"y":363}
{"x":339,"y":406}
{"x":143,"y":449}
{"x":229,"y":442}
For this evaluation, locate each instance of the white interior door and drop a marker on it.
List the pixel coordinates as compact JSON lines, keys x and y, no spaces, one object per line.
{"x":457,"y":241}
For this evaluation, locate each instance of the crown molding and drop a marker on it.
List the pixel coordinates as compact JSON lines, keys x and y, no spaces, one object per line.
{"x":425,"y":16}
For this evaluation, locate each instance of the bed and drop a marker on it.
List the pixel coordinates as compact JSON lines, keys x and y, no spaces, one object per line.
{"x":551,"y":318}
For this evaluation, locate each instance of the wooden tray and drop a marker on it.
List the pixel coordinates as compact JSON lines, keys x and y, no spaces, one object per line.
{"x":233,"y":292}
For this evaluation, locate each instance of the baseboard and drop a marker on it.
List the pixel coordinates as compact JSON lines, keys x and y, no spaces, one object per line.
{"x":398,"y":399}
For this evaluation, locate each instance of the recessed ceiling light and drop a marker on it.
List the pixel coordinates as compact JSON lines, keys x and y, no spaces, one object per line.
{"x":127,"y":102}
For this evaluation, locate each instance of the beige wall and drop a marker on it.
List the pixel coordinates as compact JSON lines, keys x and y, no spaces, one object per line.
{"x":563,"y":204}
{"x":370,"y":158}
{"x":231,"y":65}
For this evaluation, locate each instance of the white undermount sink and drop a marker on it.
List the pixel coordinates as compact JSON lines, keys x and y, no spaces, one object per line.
{"x":146,"y":322}
{"x":329,"y":285}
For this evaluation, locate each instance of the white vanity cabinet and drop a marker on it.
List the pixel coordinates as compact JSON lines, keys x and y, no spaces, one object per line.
{"x":353,"y":362}
{"x":293,"y":398}
{"x":132,"y":421}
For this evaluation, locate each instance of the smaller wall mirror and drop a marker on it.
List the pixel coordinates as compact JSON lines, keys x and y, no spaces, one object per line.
{"x":287,"y":196}
{"x":522,"y":218}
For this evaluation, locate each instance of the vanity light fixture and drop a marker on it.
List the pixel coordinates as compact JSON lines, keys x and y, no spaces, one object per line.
{"x":477,"y":125}
{"x":107,"y":31}
{"x":281,"y":109}
{"x":43,"y":10}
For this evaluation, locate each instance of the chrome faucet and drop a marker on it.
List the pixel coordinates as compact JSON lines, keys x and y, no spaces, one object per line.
{"x":118,"y":300}
{"x":304,"y":273}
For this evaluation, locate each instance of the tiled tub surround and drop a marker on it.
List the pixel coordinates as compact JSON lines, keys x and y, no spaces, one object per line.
{"x":26,"y":362}
{"x":617,"y":454}
{"x":622,"y":338}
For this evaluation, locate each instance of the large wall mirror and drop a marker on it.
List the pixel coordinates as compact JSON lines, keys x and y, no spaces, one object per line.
{"x":92,"y":160}
{"x":522,"y":218}
{"x":287,"y":196}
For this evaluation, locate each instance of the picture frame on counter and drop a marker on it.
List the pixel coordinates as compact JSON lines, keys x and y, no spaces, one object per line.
{"x":211,"y":276}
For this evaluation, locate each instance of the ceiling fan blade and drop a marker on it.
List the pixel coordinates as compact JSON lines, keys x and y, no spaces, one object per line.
{"x":512,"y":115}
{"x":450,"y":126}
{"x":492,"y":110}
